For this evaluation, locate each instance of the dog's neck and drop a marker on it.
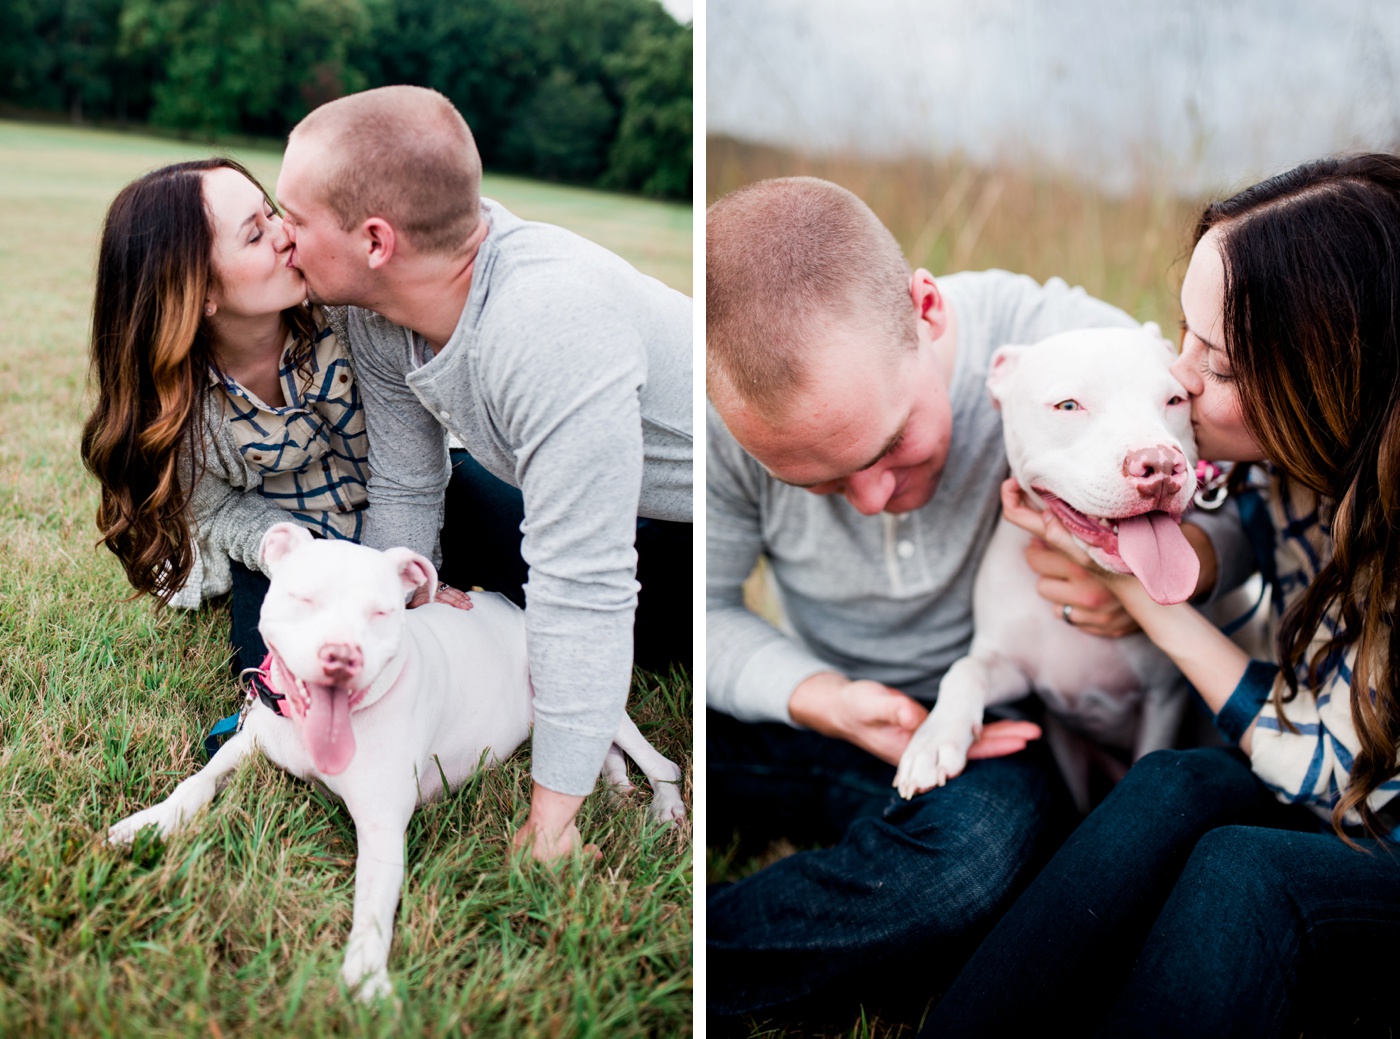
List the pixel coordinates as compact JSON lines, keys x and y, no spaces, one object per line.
{"x":385,"y":681}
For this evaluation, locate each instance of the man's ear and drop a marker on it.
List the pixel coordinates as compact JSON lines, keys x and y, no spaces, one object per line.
{"x":1004,"y":364}
{"x":380,"y":241}
{"x":929,"y":305}
{"x":280,"y":541}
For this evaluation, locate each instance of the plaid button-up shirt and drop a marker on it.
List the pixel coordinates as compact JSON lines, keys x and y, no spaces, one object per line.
{"x":312,"y":454}
{"x":1308,"y":760}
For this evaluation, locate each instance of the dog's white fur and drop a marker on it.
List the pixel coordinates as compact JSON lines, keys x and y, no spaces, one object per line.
{"x":434,"y":692}
{"x":1121,"y":692}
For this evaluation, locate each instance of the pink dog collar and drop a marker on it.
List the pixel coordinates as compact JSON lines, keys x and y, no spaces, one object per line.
{"x":259,"y":680}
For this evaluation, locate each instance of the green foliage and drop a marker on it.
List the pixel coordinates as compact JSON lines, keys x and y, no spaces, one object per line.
{"x":249,"y":66}
{"x":589,"y":91}
{"x":652,"y":152}
{"x":62,"y":54}
{"x":479,"y":54}
{"x":562,"y":131}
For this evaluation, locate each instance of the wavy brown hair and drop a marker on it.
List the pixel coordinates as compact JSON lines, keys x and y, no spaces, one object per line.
{"x":151,"y":354}
{"x":1312,"y":331}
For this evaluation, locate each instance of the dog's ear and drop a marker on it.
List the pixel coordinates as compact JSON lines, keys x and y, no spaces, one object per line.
{"x":281,"y":539}
{"x":414,"y":570}
{"x":1004,"y":363}
{"x":1155,"y":331}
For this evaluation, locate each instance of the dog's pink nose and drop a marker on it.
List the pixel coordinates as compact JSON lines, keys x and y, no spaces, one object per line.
{"x":341,"y":661}
{"x":1157,"y":472}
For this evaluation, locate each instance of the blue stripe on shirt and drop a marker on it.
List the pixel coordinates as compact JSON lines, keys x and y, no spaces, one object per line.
{"x":1249,"y":697}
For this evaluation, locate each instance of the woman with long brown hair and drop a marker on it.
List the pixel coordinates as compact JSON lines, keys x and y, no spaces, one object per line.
{"x":1253,"y":890}
{"x":224,"y":403}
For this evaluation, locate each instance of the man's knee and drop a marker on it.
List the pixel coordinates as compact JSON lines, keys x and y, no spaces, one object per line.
{"x":971,"y":844}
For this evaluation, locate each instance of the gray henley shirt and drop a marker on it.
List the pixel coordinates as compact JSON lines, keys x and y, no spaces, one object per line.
{"x":568,"y":376}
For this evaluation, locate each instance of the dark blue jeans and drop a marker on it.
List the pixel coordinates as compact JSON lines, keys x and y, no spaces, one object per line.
{"x":481,"y":548}
{"x":1190,"y":903}
{"x":900,"y":899}
{"x":245,"y":607}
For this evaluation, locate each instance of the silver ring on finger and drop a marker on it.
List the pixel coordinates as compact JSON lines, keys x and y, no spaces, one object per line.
{"x":1065,"y":614}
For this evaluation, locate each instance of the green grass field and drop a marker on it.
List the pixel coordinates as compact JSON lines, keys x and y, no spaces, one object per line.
{"x":237,"y":927}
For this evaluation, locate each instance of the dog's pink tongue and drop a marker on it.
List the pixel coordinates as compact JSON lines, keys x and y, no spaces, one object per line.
{"x":326,"y":728}
{"x":1158,"y":553}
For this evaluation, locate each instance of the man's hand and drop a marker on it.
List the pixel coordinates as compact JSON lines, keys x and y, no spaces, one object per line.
{"x":882,"y":720}
{"x":874,"y":717}
{"x":445,"y":594}
{"x":549,"y":831}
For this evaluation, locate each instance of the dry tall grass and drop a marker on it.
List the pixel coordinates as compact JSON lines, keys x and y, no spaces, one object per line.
{"x":949,"y":215}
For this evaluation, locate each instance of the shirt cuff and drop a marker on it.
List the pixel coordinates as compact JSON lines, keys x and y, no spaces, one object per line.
{"x":564,"y":761}
{"x":765,"y":685}
{"x":1247,"y":700}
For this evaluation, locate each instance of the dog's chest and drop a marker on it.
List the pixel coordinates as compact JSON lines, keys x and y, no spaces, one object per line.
{"x":1096,"y":685}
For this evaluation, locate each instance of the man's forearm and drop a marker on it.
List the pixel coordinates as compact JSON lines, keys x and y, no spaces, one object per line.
{"x":751,"y":667}
{"x":581,"y":668}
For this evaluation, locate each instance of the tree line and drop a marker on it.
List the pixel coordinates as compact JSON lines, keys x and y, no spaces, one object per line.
{"x":585,"y":91}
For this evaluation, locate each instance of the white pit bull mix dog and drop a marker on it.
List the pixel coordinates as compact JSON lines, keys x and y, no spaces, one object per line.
{"x":1099,"y":432}
{"x":385,"y":706}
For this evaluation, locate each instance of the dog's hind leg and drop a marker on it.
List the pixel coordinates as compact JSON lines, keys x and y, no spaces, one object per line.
{"x":190,"y":796}
{"x":615,"y":769}
{"x":663,"y":774}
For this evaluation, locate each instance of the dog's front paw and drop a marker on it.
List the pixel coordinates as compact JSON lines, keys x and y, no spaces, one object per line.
{"x":122,"y":834}
{"x":666,"y":806}
{"x":933,"y":757}
{"x":364,"y":970}
{"x":371,"y":987}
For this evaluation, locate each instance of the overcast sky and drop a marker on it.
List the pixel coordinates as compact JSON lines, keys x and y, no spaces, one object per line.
{"x":1202,"y":93}
{"x":681,"y":10}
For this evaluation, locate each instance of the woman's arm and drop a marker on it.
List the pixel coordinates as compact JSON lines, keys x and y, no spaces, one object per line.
{"x":228,"y":514}
{"x":1304,"y":751}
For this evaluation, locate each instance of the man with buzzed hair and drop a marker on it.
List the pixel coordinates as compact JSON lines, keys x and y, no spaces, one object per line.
{"x":852,"y":444}
{"x":565,"y":373}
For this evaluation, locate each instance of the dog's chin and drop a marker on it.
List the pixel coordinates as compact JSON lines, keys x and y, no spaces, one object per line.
{"x":321,"y":711}
{"x":1148,"y":544}
{"x":326,"y":728}
{"x":1107,"y":560}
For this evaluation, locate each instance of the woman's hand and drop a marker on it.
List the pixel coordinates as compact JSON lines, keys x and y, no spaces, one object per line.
{"x":446,"y":594}
{"x":1068,"y":577}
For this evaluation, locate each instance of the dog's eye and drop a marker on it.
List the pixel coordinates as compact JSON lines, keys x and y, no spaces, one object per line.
{"x":1067,"y":405}
{"x":1177,"y":399}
